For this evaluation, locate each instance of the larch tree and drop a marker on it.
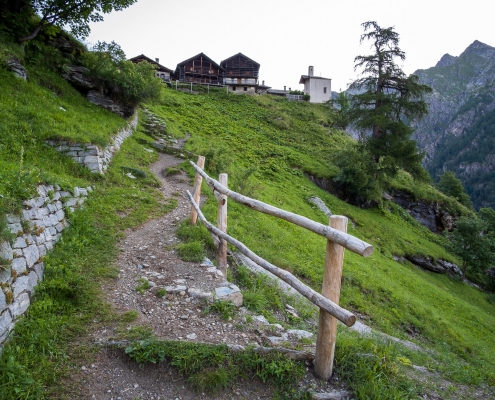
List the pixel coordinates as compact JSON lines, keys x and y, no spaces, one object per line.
{"x":384,"y":103}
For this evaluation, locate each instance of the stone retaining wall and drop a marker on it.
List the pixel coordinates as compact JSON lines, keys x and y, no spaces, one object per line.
{"x":37,"y":229}
{"x":90,"y":155}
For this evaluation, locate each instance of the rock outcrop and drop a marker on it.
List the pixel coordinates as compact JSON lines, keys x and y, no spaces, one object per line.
{"x":107,"y":103}
{"x":431,"y":215}
{"x":77,"y":76}
{"x":440,"y":266}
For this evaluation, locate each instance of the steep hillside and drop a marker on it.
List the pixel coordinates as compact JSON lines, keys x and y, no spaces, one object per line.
{"x":459,"y":132}
{"x":266,"y":145}
{"x":270,"y":147}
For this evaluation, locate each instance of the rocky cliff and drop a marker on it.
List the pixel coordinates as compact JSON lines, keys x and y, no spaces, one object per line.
{"x":459,"y":132}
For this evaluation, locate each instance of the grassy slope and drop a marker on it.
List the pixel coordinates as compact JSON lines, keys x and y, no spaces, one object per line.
{"x":32,"y":111}
{"x":279,"y":140}
{"x":275,"y":142}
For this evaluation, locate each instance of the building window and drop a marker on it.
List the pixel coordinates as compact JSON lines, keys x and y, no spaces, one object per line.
{"x":324,"y":90}
{"x":245,"y":88}
{"x":234,"y":88}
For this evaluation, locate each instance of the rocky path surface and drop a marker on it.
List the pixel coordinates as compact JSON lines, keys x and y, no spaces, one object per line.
{"x":148,"y":255}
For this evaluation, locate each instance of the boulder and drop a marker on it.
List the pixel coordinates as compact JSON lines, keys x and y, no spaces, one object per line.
{"x":17,"y":68}
{"x":229,"y":293}
{"x":450,"y":267}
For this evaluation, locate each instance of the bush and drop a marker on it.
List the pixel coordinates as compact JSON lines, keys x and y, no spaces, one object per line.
{"x":451,"y":186}
{"x":126,"y":82}
{"x":357,"y":174}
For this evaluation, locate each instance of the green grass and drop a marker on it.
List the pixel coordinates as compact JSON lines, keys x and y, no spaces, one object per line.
{"x":143,"y":285}
{"x":451,"y":318}
{"x":212,"y":368}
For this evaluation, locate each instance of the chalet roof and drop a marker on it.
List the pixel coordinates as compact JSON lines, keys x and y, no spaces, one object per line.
{"x":142,"y":56}
{"x":222,"y":63}
{"x":204,"y":57}
{"x":306,"y":77}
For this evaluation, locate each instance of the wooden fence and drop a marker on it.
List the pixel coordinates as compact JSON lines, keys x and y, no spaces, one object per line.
{"x":338,"y":240}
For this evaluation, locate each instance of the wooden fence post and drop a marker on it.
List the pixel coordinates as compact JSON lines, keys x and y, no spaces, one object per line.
{"x":222,"y":225}
{"x":198,"y":180}
{"x":327,"y":326}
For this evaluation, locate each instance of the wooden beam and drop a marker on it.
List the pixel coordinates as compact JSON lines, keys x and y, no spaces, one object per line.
{"x":316,"y":298}
{"x":198,"y":180}
{"x":222,"y":225}
{"x":350,"y":242}
{"x":327,"y":326}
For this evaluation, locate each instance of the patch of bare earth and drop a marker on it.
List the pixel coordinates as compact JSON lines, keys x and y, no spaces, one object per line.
{"x":148,"y":252}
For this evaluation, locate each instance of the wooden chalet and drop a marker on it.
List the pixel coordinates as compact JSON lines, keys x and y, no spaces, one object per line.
{"x":200,"y":69}
{"x":241,"y":73}
{"x":161,"y":71}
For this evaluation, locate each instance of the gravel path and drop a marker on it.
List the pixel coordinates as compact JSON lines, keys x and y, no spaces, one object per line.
{"x":148,"y":253}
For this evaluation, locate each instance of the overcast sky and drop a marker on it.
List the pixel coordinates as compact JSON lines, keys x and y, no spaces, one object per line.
{"x":286,"y":36}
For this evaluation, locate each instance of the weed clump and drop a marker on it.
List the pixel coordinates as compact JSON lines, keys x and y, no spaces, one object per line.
{"x":212,"y":368}
{"x":143,"y":285}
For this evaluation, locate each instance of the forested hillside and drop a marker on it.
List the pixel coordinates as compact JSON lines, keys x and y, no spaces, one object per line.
{"x":459,"y":133}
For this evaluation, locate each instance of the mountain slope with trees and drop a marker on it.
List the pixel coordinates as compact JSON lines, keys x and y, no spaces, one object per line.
{"x":458,"y":135}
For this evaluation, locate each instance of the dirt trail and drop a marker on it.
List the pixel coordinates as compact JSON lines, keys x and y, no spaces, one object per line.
{"x":148,"y":253}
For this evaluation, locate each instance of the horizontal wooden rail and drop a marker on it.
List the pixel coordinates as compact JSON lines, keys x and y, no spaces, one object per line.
{"x":316,"y":298}
{"x":345,"y":240}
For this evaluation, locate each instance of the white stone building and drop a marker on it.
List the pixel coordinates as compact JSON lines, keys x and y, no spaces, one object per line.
{"x":319,"y":88}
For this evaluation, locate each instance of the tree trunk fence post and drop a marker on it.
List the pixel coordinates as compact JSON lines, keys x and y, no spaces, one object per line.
{"x":198,"y":180}
{"x":222,"y":225}
{"x":327,"y":326}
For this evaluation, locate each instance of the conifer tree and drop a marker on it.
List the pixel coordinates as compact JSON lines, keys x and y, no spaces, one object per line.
{"x":385,"y":102}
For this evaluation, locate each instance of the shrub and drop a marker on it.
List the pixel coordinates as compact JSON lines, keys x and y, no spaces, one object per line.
{"x":357,"y":174}
{"x":125,"y":81}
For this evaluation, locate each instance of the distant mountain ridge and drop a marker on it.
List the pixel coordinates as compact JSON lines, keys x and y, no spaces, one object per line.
{"x":459,"y":132}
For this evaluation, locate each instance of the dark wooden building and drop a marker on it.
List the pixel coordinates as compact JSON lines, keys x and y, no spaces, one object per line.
{"x":200,"y":69}
{"x":241,"y":73}
{"x":161,"y":71}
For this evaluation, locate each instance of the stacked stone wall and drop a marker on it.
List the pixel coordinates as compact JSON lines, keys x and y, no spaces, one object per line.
{"x":90,"y":155}
{"x":40,"y":226}
{"x":36,"y":230}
